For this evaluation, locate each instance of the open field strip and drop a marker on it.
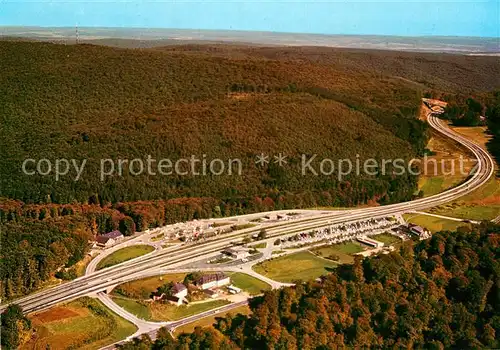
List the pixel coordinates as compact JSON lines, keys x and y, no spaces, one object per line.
{"x":124,"y":254}
{"x":296,"y":266}
{"x":434,"y":224}
{"x":441,"y":172}
{"x":482,"y":203}
{"x":247,"y":283}
{"x":343,"y":251}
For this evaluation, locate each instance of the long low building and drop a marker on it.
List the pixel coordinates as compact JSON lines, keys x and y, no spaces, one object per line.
{"x":419,"y":231}
{"x":370,"y":242}
{"x":233,"y":289}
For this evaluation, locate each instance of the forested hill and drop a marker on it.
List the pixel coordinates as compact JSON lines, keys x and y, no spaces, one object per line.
{"x":443,"y":72}
{"x":93,"y":102}
{"x":441,"y":293}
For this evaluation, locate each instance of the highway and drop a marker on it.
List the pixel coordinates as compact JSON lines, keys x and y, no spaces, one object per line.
{"x":150,"y":264}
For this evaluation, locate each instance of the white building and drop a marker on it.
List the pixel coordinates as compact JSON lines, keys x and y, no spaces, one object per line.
{"x":214,"y":280}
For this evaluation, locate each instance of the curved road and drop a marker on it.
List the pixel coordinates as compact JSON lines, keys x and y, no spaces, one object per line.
{"x":149,"y":265}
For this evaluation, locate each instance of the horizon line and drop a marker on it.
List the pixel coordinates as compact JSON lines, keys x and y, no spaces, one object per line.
{"x":252,"y":31}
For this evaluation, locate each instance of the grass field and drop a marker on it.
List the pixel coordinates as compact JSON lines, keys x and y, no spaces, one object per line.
{"x":124,"y":254}
{"x":482,"y":204}
{"x":442,"y":175}
{"x":170,"y":312}
{"x":386,"y":238}
{"x":136,"y":307}
{"x":84,"y":324}
{"x":142,"y":288}
{"x":166,"y":312}
{"x":343,"y":251}
{"x":276,"y":252}
{"x":298,"y":266}
{"x":210,"y":320}
{"x":432,"y":223}
{"x":249,"y":284}
{"x":157,"y":237}
{"x":477,"y":134}
{"x":259,"y":245}
{"x":432,"y":185}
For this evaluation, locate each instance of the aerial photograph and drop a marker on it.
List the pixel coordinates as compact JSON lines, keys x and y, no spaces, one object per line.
{"x":249,"y":174}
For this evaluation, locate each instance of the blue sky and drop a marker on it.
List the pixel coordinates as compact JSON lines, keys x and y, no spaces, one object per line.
{"x":408,"y":18}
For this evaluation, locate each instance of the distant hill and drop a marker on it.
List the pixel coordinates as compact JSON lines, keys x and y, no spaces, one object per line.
{"x":442,"y":72}
{"x":152,"y":37}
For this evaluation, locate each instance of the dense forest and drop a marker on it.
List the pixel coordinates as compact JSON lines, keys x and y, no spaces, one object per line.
{"x":443,"y":292}
{"x":469,"y":113}
{"x":481,"y":109}
{"x":43,"y":241}
{"x":16,"y":327}
{"x":493,"y":121}
{"x":440,"y":72}
{"x":87,"y":102}
{"x":84,"y":102}
{"x":32,"y":252}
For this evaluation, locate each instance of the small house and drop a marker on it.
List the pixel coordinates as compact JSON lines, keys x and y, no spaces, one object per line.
{"x":179,"y":290}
